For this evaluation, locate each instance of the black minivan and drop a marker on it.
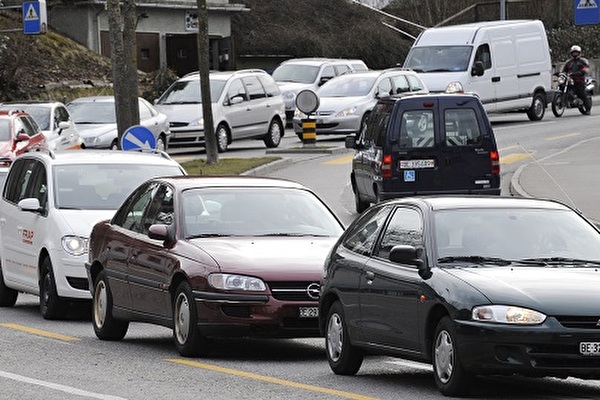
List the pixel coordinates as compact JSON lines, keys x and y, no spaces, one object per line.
{"x":424,"y":144}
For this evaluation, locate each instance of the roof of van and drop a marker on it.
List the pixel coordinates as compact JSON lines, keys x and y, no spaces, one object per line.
{"x":465,"y":33}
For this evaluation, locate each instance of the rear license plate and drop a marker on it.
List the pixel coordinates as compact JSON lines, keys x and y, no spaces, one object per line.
{"x":416,"y":164}
{"x":589,"y":348}
{"x":309,"y":312}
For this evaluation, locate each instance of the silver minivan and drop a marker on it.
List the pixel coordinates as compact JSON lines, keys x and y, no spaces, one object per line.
{"x":246,"y":104}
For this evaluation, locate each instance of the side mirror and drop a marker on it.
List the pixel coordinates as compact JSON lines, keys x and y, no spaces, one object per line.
{"x":21,"y":137}
{"x":236,"y":100}
{"x":405,"y":254}
{"x":161,"y":232}
{"x":478,"y":69}
{"x":350,"y":141}
{"x":324,"y":79}
{"x":30,"y":204}
{"x":62,"y":125}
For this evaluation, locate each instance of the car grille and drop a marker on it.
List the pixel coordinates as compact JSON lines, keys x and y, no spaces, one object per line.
{"x":579,"y":322}
{"x":295,"y":291}
{"x":560,"y":356}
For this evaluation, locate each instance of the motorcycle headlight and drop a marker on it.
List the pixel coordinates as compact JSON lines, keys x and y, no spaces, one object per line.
{"x":74,"y":245}
{"x":507,"y":315}
{"x":236,"y":282}
{"x":561,"y":80}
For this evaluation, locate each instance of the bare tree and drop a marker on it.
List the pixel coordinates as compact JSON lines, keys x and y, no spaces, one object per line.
{"x":122,"y":25}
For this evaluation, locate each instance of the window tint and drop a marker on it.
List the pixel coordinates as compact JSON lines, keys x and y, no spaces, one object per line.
{"x":362,"y":237}
{"x":270,"y":85}
{"x":483,"y":55}
{"x":254,"y":88}
{"x":236,"y":90}
{"x":405,"y":227}
{"x":416,"y":129}
{"x":462,"y":127}
{"x":376,"y":129}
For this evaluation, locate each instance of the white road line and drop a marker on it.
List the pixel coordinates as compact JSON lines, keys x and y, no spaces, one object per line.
{"x":55,"y":386}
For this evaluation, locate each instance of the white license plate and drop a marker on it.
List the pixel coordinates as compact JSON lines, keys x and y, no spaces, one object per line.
{"x":309,"y":312}
{"x":589,"y":348}
{"x":415,"y":164}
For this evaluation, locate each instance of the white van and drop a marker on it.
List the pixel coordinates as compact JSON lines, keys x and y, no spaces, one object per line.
{"x":506,"y":63}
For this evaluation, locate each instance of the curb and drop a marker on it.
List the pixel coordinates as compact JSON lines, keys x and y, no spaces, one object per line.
{"x":309,"y":150}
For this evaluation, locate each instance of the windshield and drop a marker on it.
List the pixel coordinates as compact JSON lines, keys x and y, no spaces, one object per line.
{"x":256,"y":212}
{"x":41,"y":115}
{"x":188,"y":92}
{"x":296,"y":73}
{"x":102,"y":186}
{"x":515,"y":234}
{"x":347,"y":86}
{"x":439,"y":58}
{"x":93,"y":112}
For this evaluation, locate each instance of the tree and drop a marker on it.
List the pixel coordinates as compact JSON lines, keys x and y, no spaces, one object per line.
{"x":122,"y":25}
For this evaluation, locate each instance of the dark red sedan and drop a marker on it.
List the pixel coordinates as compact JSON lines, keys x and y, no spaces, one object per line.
{"x":212,"y":257}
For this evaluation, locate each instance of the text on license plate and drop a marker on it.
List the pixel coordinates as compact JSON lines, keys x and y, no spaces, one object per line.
{"x":589,"y":348}
{"x":414,"y":164}
{"x":309,"y":312}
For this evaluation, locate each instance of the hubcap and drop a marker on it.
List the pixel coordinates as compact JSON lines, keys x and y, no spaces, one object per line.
{"x":182,"y":318}
{"x":335,"y":337}
{"x":100,"y":302}
{"x":275,"y":133}
{"x":444,"y":356}
{"x":222,"y":138}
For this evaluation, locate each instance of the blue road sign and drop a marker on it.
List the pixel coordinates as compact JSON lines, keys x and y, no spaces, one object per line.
{"x":32,"y":20}
{"x":138,"y":138}
{"x":586,"y":12}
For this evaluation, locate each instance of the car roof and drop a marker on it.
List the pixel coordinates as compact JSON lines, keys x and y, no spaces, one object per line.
{"x":31,"y":103}
{"x":317,"y":61}
{"x":449,"y":202}
{"x":7,"y":112}
{"x":90,"y":99}
{"x":190,"y":181}
{"x":225,"y":75}
{"x":102,"y":156}
{"x":421,"y":96}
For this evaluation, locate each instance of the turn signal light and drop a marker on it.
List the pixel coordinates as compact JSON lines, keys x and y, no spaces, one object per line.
{"x":386,"y":166}
{"x":495,"y":161}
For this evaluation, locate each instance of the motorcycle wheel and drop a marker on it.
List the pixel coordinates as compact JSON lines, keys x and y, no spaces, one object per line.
{"x":586,"y":110}
{"x":558,"y":105}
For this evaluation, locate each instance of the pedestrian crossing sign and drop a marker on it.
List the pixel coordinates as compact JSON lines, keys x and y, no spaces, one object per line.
{"x":586,"y":12}
{"x":35,"y":19}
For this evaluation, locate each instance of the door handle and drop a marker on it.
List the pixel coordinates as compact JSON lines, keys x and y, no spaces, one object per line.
{"x":496,"y":79}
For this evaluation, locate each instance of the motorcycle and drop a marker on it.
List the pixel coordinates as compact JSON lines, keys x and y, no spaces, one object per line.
{"x":565,"y":96}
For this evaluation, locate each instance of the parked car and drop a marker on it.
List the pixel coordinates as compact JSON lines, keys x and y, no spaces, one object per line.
{"x":54,"y":120}
{"x":345,"y":102}
{"x":96,"y":120}
{"x":246,"y":104}
{"x":424,"y":144}
{"x":212,"y":257}
{"x":18,"y":134}
{"x":298,"y":74}
{"x":50,"y":202}
{"x":473,"y":285}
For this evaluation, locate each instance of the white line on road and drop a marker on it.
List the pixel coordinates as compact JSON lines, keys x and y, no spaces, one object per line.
{"x":55,"y":386}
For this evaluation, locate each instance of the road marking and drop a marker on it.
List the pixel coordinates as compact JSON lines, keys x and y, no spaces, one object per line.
{"x":40,"y":332}
{"x":513,"y":158}
{"x":563,"y":136}
{"x":269,"y":379}
{"x":340,"y":160}
{"x":55,"y":386}
{"x":510,"y":147}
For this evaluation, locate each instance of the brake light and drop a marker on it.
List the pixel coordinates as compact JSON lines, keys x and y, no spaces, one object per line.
{"x":386,"y":166}
{"x":495,"y":162}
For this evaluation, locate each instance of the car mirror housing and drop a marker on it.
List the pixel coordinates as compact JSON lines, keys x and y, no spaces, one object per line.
{"x":478,"y":69}
{"x":411,"y":255}
{"x":161,"y":232}
{"x":21,"y":137}
{"x":31,"y":204}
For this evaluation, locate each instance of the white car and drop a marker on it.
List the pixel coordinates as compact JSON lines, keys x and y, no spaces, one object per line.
{"x":48,"y":207}
{"x":96,"y":120}
{"x":54,"y":120}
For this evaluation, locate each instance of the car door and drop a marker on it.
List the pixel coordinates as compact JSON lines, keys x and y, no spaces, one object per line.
{"x":237,"y":109}
{"x":260,"y":106}
{"x":389,"y":292}
{"x":68,"y":137}
{"x":149,"y":119}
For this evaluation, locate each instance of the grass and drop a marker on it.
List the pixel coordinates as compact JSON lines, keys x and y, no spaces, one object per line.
{"x":226,"y":166}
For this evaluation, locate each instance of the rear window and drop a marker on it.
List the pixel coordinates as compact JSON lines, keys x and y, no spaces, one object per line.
{"x":462,"y":127}
{"x":416,"y":129}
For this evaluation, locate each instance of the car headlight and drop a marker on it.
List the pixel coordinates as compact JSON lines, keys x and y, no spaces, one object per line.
{"x":236,"y":282}
{"x":299,"y":114}
{"x":346,"y":112}
{"x":74,"y":245}
{"x":507,"y":315}
{"x":288,"y":95}
{"x":197,"y":122}
{"x":455,"y":87}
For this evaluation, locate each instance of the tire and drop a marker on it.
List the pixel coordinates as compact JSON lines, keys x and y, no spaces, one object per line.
{"x":188,"y":340}
{"x":114,"y":145}
{"x":222,"y":136}
{"x":161,"y":144}
{"x":586,"y":110}
{"x":450,"y":377}
{"x":558,"y":105}
{"x":343,"y":358}
{"x":106,"y":327}
{"x":8,"y":296}
{"x":300,"y":135}
{"x":51,"y":305}
{"x":274,"y":134}
{"x":359,"y":203}
{"x":538,"y":107}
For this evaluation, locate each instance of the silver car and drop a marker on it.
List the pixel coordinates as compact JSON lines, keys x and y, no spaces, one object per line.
{"x":96,"y":120}
{"x":345,"y":102}
{"x":246,"y":104}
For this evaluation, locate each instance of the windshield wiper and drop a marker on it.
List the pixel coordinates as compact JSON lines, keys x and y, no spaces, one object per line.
{"x":182,"y":102}
{"x":291,"y":234}
{"x":207,"y":235}
{"x":559,"y":261}
{"x":475,"y":259}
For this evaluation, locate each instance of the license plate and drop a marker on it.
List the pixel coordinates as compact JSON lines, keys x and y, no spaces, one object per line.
{"x":589,"y":348}
{"x":415,"y":164}
{"x":309,"y":312}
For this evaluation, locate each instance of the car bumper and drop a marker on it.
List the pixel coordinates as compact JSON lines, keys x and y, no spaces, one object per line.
{"x":70,"y":276}
{"x":549,"y":349}
{"x":186,"y":137}
{"x":333,"y":126}
{"x":385,"y":195}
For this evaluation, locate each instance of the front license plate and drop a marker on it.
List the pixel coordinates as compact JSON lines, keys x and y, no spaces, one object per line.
{"x":416,"y":164}
{"x":309,"y":312}
{"x":589,"y":348}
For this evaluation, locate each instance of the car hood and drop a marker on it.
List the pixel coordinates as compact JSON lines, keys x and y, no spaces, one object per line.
{"x":553,"y":291}
{"x":181,"y":112}
{"x":294,"y":87}
{"x":340,"y":103}
{"x":96,"y":130}
{"x":81,"y":222}
{"x":271,"y":258}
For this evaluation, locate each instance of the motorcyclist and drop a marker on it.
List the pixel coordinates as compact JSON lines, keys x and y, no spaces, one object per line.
{"x":577,"y":67}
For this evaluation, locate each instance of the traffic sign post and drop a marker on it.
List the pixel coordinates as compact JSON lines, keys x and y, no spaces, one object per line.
{"x":35,"y":18}
{"x":138,"y":138}
{"x":307,"y":102}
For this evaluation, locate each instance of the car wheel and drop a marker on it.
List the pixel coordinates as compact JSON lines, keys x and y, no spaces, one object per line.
{"x":222,"y":138}
{"x":450,"y":377}
{"x":114,"y":145}
{"x":106,"y":326}
{"x":558,"y":105}
{"x":160,"y":144}
{"x":343,"y":357}
{"x":51,"y":305}
{"x":360,"y":204}
{"x":586,"y":110}
{"x":8,"y":296}
{"x":274,"y":134}
{"x":188,"y":340}
{"x":538,"y":108}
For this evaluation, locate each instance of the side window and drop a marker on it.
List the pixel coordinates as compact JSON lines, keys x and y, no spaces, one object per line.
{"x":131,"y":218}
{"x":415,"y":83}
{"x":26,"y":179}
{"x":270,"y":85}
{"x":483,"y":54}
{"x":161,"y":209}
{"x":328,"y":73}
{"x":362,"y":239}
{"x":145,"y":112}
{"x":37,"y":187}
{"x":236,"y":90}
{"x":61,"y":114}
{"x":462,"y":127}
{"x":416,"y":129}
{"x":405,"y":227}
{"x":376,"y":129}
{"x":384,"y":88}
{"x":254,"y":88}
{"x":342,"y":69}
{"x":16,"y":179}
{"x":27,"y":125}
{"x":400,"y":84}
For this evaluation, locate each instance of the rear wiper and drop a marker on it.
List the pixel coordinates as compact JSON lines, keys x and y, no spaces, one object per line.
{"x":559,"y":261}
{"x":475,"y":259}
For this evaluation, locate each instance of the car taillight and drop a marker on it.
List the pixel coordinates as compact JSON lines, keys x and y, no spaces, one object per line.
{"x":495,"y":161}
{"x":386,"y":166}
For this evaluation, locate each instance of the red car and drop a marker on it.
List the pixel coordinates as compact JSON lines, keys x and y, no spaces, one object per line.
{"x":18,"y":133}
{"x":212,"y":257}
